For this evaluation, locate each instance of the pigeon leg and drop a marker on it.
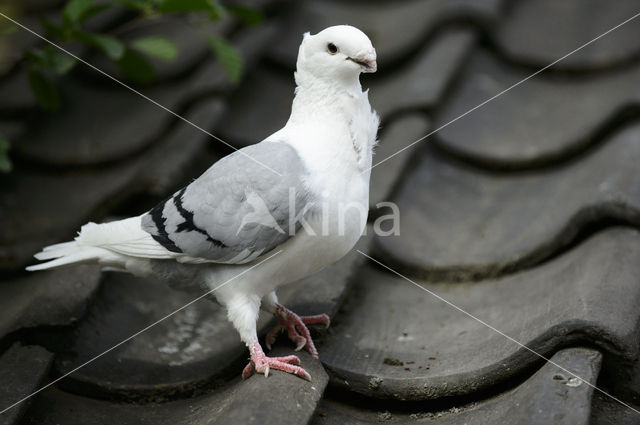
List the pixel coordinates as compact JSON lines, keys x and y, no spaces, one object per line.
{"x":243,"y":312}
{"x":296,"y":327}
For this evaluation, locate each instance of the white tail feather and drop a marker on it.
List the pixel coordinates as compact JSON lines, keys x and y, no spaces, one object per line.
{"x":121,"y":245}
{"x":72,"y":253}
{"x":57,"y":250}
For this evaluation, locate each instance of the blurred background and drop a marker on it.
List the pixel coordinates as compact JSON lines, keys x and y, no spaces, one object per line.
{"x":521,"y":208}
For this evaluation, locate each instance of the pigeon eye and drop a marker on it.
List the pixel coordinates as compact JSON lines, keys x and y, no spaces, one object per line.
{"x":332,"y":48}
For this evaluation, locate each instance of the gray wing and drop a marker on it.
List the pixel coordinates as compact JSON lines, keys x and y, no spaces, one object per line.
{"x":238,"y":209}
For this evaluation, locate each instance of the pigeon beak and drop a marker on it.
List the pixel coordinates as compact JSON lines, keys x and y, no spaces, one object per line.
{"x":368,"y":63}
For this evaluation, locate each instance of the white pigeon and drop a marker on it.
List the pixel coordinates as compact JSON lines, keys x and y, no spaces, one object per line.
{"x":311,"y":177}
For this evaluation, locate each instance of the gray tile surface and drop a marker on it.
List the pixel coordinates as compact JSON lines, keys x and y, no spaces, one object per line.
{"x":460,"y":222}
{"x":422,"y":81}
{"x":238,"y":402}
{"x":565,"y":301}
{"x":55,"y":298}
{"x":538,"y":32}
{"x":605,"y":411}
{"x":247,"y":121}
{"x":397,"y":135}
{"x":23,"y":369}
{"x":548,"y":118}
{"x":550,"y":396}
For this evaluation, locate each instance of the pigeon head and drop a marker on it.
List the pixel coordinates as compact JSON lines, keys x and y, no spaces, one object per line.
{"x":338,"y":53}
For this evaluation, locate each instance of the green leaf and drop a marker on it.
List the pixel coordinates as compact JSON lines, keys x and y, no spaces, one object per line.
{"x":228,"y":56}
{"x":5,"y":162}
{"x":135,"y":67}
{"x":52,"y":59}
{"x":113,"y":47}
{"x":158,"y":47}
{"x":46,"y":92}
{"x":75,"y":9}
{"x":247,"y":15}
{"x":168,"y":6}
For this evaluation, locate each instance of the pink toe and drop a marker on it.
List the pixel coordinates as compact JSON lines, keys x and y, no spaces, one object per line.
{"x":313,"y":320}
{"x":288,"y":359}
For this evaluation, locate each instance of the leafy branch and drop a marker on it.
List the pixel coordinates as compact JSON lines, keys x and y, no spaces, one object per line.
{"x":130,"y":57}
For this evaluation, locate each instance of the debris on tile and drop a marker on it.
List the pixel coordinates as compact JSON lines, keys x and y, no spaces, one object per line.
{"x":392,"y":362}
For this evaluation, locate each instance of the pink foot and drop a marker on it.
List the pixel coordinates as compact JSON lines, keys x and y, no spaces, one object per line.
{"x":262,"y":364}
{"x":296,"y":328}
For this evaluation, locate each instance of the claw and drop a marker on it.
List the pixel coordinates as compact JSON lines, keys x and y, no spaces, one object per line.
{"x":301,"y":343}
{"x":303,"y":374}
